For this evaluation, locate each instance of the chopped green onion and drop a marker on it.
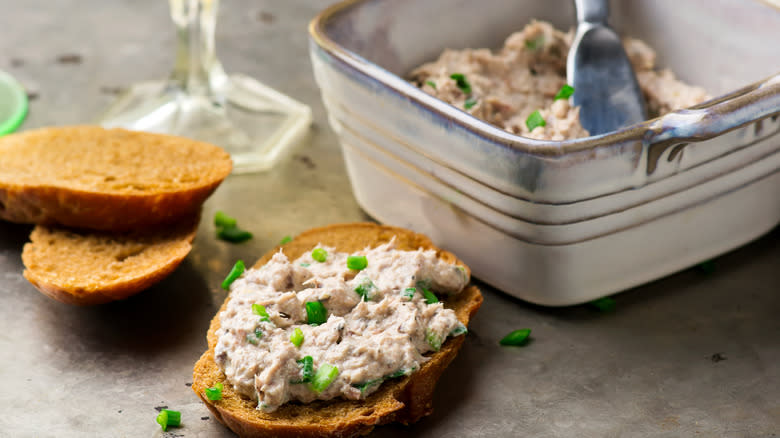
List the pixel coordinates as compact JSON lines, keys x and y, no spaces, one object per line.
{"x":259,"y":309}
{"x":285,"y":239}
{"x":516,"y":338}
{"x":430,"y":297}
{"x":316,"y":313}
{"x":535,"y":43}
{"x":297,"y":337}
{"x":236,"y":272}
{"x":167,"y":418}
{"x":461,"y":82}
{"x":459,"y":330}
{"x":307,"y":369}
{"x":305,"y":265}
{"x":604,"y":304}
{"x":535,"y":120}
{"x":433,"y":339}
{"x":233,"y":234}
{"x":463,"y":272}
{"x":470,"y":102}
{"x":400,"y":373}
{"x":223,"y":220}
{"x":215,"y":392}
{"x":253,"y":338}
{"x":319,"y":255}
{"x":565,"y":92}
{"x":367,"y":384}
{"x":365,"y":288}
{"x":357,"y":263}
{"x":408,"y":293}
{"x":325,"y":375}
{"x":431,"y":84}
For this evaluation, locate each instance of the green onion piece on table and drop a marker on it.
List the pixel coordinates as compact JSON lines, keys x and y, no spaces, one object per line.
{"x":233,"y":234}
{"x":357,"y":263}
{"x":516,"y":338}
{"x":535,"y":120}
{"x":325,"y":375}
{"x":297,"y":337}
{"x":236,"y":272}
{"x":461,"y":82}
{"x":319,"y":255}
{"x":215,"y":392}
{"x":223,"y":220}
{"x":565,"y":92}
{"x":316,"y":313}
{"x":168,"y":418}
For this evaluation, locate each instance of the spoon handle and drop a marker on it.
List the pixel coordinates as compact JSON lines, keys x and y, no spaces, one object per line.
{"x":592,"y":11}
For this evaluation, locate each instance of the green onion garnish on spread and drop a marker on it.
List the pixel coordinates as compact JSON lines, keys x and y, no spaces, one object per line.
{"x":215,"y":392}
{"x":535,"y":120}
{"x":367,"y":384}
{"x":253,"y":338}
{"x":259,"y":309}
{"x":461,"y":82}
{"x":459,"y":330}
{"x":408,"y":293}
{"x":285,"y":239}
{"x":430,"y":297}
{"x":305,"y":265}
{"x":469,"y":103}
{"x":325,"y":375}
{"x":233,"y":234}
{"x":357,"y":263}
{"x":223,"y":220}
{"x":516,"y":338}
{"x":297,"y":337}
{"x":316,"y":313}
{"x":236,"y":272}
{"x":433,"y":339}
{"x":604,"y":304}
{"x":365,"y":288}
{"x":565,"y":92}
{"x":167,"y":418}
{"x":319,"y":255}
{"x":431,"y":84}
{"x":307,"y":369}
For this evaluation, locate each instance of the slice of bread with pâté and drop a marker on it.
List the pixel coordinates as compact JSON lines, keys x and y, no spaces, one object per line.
{"x":105,"y":179}
{"x":403,"y":400}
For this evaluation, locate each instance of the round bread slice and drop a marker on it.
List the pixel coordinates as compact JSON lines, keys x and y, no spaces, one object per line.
{"x":405,"y":400}
{"x":91,"y":267}
{"x":105,"y":179}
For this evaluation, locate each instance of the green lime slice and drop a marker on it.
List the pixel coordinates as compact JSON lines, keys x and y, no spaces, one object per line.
{"x":13,"y":104}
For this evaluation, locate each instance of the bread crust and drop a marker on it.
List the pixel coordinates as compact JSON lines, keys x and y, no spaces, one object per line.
{"x":404,"y":400}
{"x":105,"y":179}
{"x":50,"y":250}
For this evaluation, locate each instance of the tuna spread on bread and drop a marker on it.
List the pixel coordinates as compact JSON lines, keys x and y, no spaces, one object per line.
{"x":332,"y":324}
{"x":521,"y":87}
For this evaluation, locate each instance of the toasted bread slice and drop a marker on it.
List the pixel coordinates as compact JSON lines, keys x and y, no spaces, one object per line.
{"x":91,"y":267}
{"x":105,"y":179}
{"x":405,"y":400}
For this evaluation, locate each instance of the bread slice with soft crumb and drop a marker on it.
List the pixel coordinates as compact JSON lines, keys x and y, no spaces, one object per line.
{"x":91,"y":267}
{"x":105,"y":179}
{"x":405,"y":400}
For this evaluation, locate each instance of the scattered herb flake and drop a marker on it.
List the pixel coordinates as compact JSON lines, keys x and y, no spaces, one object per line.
{"x":431,"y":84}
{"x":462,"y":82}
{"x":565,"y":92}
{"x":236,"y":272}
{"x":469,"y":103}
{"x":516,"y":338}
{"x":535,"y":120}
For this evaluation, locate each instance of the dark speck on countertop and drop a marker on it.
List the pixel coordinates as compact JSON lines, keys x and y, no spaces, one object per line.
{"x":188,"y":384}
{"x":160,"y":408}
{"x":32,"y":95}
{"x":17,"y":62}
{"x":717,"y":357}
{"x":69,"y":58}
{"x":306,"y":160}
{"x":204,"y":418}
{"x":266,"y":17}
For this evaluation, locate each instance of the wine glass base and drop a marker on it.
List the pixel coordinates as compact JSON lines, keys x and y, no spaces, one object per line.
{"x":252,"y":122}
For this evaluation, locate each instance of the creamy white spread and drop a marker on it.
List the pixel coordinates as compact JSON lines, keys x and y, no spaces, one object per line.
{"x":379,"y":323}
{"x":525,"y":75}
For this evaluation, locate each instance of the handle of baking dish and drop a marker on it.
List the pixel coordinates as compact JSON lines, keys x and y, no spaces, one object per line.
{"x":740,"y":108}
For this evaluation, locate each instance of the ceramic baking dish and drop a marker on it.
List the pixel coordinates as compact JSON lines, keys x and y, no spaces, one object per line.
{"x":559,"y":195}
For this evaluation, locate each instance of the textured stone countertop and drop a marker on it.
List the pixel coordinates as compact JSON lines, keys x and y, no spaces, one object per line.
{"x":693,"y":354}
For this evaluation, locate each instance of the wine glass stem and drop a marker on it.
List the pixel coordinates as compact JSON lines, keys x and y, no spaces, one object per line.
{"x":197,"y":70}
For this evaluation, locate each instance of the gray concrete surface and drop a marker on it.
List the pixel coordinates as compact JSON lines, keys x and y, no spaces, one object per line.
{"x":693,"y":354}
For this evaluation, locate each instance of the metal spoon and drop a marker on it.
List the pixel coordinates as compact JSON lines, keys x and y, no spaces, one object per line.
{"x":605,"y":87}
